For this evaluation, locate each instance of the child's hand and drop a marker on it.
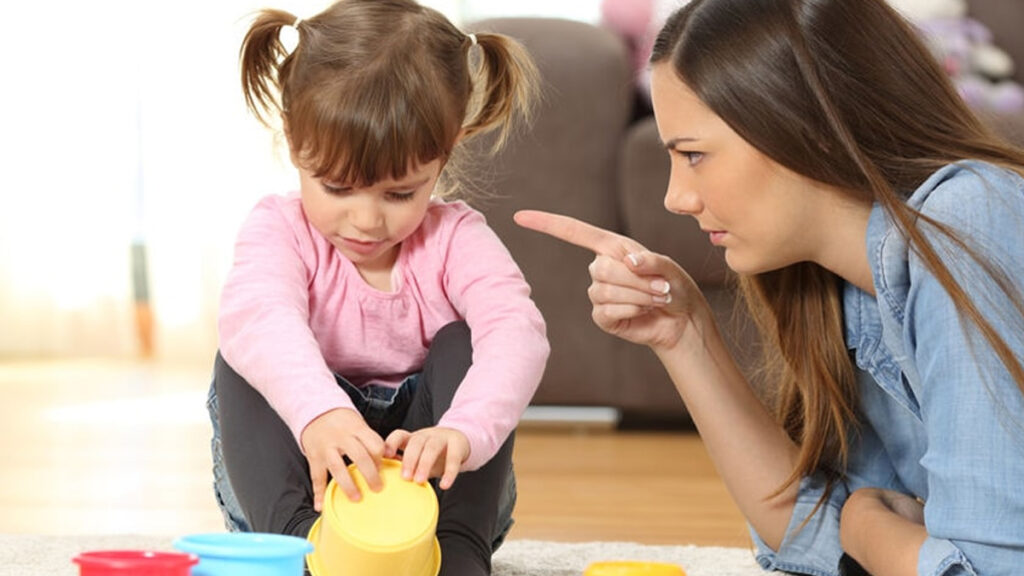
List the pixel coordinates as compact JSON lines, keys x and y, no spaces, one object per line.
{"x":332,"y":436}
{"x":429,"y":453}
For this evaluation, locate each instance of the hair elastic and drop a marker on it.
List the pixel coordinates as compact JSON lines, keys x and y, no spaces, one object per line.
{"x":472,"y":39}
{"x":289,"y":36}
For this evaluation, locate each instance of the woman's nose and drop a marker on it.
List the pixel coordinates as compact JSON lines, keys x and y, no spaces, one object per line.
{"x":682,"y":198}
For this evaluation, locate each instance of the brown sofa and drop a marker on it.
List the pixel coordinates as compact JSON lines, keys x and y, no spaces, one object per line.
{"x":593,"y":153}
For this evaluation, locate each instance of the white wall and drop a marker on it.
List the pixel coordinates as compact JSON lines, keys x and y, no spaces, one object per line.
{"x":125,"y":120}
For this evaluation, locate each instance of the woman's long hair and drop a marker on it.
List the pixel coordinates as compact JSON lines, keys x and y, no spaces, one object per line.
{"x":843,"y":92}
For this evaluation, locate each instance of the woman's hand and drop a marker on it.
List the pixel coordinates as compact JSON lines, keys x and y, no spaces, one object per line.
{"x":429,"y":453}
{"x":883,"y":530}
{"x":330,"y":438}
{"x":637,"y":295}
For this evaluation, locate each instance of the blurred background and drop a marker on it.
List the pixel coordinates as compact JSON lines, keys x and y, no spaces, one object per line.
{"x":128,"y":163}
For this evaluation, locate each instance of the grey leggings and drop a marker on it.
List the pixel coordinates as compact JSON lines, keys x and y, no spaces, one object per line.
{"x":262,"y":479}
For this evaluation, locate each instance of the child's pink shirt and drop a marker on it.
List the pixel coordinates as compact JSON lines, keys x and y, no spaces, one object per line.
{"x":294,"y":311}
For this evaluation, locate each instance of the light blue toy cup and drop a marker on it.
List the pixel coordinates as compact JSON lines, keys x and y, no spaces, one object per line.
{"x":246,"y":554}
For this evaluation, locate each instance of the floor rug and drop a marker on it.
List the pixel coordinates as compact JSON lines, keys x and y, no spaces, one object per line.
{"x":38,"y":555}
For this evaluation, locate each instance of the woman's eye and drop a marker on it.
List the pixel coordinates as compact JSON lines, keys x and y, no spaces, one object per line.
{"x":693,"y":158}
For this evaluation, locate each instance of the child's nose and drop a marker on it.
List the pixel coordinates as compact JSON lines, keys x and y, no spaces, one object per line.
{"x":368,"y":216}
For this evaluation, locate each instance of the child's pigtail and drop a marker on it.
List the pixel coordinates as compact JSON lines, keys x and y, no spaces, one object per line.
{"x":509,"y":86}
{"x":264,"y":61}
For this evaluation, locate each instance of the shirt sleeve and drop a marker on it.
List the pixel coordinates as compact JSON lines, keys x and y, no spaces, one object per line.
{"x":813,"y":548}
{"x":971,"y":407}
{"x":264,"y":319}
{"x":510,"y":346}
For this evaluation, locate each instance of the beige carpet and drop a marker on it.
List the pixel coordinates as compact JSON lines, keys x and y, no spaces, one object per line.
{"x":34,"y":555}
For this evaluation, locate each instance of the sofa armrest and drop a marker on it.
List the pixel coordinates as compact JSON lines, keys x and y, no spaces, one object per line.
{"x":566,"y":162}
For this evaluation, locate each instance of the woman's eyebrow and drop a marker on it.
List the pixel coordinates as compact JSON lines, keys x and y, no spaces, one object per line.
{"x":673,"y":142}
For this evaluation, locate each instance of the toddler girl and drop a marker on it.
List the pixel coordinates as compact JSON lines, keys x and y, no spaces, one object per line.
{"x":364,"y":316}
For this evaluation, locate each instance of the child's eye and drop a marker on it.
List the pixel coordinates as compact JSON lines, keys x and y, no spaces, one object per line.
{"x":401,"y":196}
{"x":335,"y":189}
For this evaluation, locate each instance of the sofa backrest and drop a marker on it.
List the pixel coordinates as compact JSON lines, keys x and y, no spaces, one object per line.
{"x":1005,"y":18}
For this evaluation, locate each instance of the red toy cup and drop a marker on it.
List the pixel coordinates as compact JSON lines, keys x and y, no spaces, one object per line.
{"x":135,"y":563}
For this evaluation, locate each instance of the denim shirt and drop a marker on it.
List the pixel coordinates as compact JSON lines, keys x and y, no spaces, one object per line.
{"x":940,"y":416}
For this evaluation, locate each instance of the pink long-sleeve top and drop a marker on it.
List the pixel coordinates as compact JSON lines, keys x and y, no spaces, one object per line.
{"x":294,"y":311}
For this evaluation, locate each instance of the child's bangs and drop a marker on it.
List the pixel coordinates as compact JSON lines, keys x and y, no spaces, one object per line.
{"x":375,"y":135}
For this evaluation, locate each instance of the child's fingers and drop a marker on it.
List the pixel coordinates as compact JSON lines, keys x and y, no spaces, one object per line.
{"x":344,"y":481}
{"x":411,"y":455}
{"x":339,"y":471}
{"x":318,"y":474}
{"x":373,"y":444}
{"x":452,"y":463}
{"x":367,"y":466}
{"x":432,"y":449}
{"x":396,"y":441}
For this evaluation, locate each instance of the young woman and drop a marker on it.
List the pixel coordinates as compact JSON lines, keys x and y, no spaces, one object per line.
{"x":877,"y":229}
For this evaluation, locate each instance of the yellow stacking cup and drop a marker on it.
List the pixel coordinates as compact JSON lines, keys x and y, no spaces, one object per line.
{"x":631,"y":568}
{"x":387,"y":533}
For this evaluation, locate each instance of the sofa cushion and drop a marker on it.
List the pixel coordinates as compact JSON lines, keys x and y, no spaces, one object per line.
{"x":1004,"y":18}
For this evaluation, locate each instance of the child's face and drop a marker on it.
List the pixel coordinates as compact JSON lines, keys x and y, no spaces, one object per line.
{"x":368,"y":224}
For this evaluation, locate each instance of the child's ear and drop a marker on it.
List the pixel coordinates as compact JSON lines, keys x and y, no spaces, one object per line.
{"x":293,"y":156}
{"x":288,"y":142}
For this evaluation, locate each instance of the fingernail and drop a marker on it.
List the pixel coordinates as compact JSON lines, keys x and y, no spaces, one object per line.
{"x":636,"y":259}
{"x":660,"y":286}
{"x":662,"y":299}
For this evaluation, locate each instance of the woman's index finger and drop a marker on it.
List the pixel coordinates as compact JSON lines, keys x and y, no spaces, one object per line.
{"x":573,"y":231}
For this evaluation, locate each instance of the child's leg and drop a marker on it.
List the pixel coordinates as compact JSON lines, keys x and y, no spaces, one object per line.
{"x":267,"y":471}
{"x":234,"y":519}
{"x":476,"y":512}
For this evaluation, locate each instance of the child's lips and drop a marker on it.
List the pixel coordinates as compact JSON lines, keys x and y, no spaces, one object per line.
{"x":361,"y":246}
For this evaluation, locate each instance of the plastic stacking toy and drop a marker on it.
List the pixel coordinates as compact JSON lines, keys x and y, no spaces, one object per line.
{"x":246,"y":554}
{"x":134,"y":563}
{"x":386,"y":533}
{"x":631,"y":568}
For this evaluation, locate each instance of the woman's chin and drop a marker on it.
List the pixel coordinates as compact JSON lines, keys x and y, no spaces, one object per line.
{"x":748,"y":266}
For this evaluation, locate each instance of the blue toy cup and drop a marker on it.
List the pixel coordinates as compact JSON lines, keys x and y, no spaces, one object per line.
{"x":246,"y":554}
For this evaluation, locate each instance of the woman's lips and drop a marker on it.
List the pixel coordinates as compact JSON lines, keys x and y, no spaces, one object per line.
{"x":717,"y":236}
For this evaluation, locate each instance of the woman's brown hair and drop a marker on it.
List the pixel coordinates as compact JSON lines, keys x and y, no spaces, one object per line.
{"x":374,"y":85}
{"x":843,"y":92}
